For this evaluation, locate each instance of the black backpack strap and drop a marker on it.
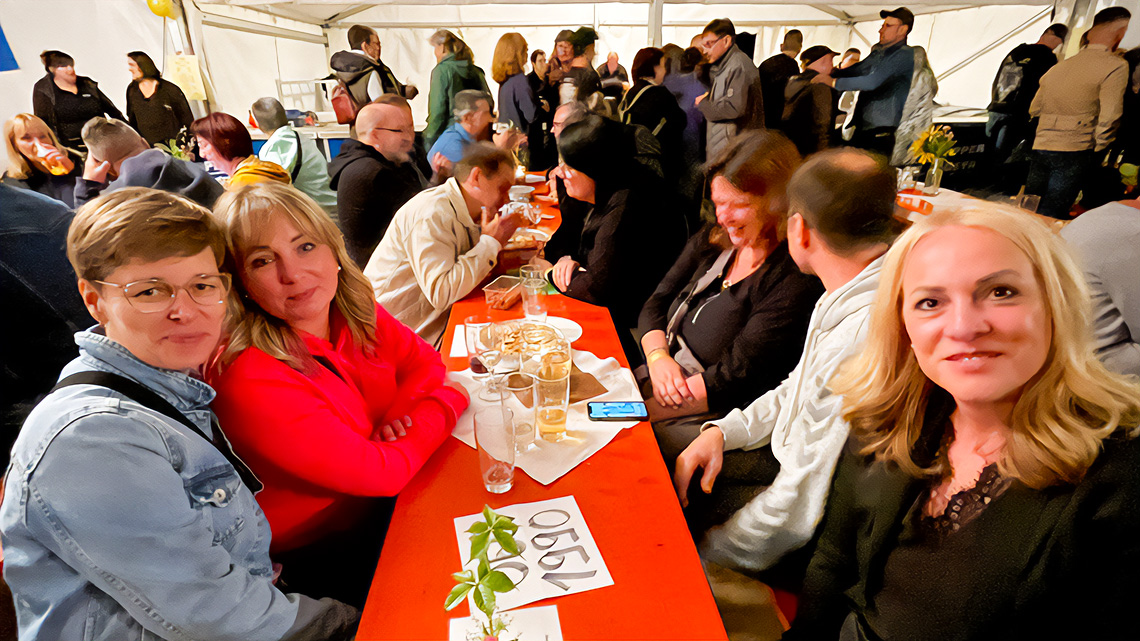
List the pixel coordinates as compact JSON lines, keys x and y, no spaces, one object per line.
{"x":300,"y":156}
{"x":151,"y":400}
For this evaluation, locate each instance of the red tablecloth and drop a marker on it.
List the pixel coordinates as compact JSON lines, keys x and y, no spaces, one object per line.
{"x":625,"y":495}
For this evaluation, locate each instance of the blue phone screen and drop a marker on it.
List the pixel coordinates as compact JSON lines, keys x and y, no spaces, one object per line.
{"x":617,"y":410}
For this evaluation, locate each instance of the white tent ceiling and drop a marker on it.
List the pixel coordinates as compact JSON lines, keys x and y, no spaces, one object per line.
{"x":245,"y":47}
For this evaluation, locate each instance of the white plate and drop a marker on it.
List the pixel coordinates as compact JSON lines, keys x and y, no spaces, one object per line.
{"x":571,"y":330}
{"x":530,"y":179}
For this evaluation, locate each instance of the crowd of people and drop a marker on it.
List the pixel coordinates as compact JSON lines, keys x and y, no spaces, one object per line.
{"x":227,"y":363}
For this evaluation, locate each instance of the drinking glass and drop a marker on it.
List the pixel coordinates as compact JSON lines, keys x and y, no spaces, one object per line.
{"x":552,"y":394}
{"x":1029,"y":202}
{"x":475,"y":330}
{"x":534,"y":292}
{"x":494,"y":439}
{"x":518,"y":398}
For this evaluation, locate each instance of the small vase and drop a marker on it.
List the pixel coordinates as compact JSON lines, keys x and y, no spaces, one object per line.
{"x":933,"y":178}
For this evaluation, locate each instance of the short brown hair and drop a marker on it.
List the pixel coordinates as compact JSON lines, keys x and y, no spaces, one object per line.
{"x":487,"y":157}
{"x":138,"y":223}
{"x":359,"y":34}
{"x":225,"y":133}
{"x":509,"y":58}
{"x":847,"y":196}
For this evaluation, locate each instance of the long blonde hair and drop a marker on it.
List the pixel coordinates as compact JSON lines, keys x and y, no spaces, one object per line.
{"x":1064,"y":411}
{"x":19,"y":166}
{"x":251,"y":208}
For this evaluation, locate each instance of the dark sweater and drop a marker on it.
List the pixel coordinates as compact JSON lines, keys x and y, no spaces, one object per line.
{"x":748,"y":336}
{"x":370,"y":188}
{"x":61,"y":188}
{"x":160,"y":117}
{"x":1058,"y":563}
{"x":629,"y":239}
{"x":655,"y":108}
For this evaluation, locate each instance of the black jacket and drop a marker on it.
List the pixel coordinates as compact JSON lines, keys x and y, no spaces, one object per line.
{"x":775,"y":72}
{"x":810,"y":110}
{"x":369,"y":190}
{"x":1071,"y":553}
{"x":43,"y":104}
{"x":757,"y":336}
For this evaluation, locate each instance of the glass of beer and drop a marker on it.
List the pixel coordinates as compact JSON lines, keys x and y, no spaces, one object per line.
{"x":552,"y":396}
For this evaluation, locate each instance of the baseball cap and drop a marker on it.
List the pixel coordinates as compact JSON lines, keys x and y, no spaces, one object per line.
{"x":811,"y":54}
{"x":902,"y":14}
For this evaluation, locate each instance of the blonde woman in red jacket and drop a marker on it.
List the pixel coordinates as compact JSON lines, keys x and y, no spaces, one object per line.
{"x":331,"y":401}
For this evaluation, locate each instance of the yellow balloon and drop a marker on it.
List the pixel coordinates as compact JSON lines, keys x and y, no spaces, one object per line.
{"x":162,"y":8}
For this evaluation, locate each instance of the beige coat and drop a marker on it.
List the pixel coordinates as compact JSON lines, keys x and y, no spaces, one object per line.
{"x":1080,"y":101}
{"x":432,"y":255}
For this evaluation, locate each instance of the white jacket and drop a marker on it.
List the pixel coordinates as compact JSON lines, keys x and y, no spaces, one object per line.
{"x":801,"y":420}
{"x":432,"y":255}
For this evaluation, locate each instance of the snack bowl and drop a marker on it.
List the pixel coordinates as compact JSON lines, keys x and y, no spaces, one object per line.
{"x":503,"y":292}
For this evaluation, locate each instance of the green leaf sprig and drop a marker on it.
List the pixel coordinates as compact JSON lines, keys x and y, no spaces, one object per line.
{"x":482,"y":582}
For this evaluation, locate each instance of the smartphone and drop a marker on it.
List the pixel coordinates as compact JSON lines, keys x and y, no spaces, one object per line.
{"x":617,"y":411}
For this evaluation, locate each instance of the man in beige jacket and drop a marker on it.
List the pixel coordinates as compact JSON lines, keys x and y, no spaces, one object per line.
{"x":1079,"y":106}
{"x":444,"y":241}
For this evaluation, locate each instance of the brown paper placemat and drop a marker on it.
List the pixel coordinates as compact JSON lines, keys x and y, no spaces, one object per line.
{"x":583,"y":386}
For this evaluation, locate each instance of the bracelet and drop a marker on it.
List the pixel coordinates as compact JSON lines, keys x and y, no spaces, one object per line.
{"x":656,"y":355}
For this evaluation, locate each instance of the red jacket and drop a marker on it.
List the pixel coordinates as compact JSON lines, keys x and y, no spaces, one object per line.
{"x":311,"y":438}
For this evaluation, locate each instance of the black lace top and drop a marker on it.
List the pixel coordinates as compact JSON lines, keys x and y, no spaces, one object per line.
{"x":967,"y":504}
{"x":934,"y":564}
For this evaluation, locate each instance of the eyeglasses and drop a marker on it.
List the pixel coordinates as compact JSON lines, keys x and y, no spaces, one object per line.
{"x":155,"y":295}
{"x":406,"y":130}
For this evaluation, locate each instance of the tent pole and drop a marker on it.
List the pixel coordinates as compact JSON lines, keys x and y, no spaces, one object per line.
{"x":656,"y":14}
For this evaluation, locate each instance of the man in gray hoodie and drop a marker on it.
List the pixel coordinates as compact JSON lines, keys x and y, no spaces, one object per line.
{"x":735,"y":102}
{"x":841,"y":225}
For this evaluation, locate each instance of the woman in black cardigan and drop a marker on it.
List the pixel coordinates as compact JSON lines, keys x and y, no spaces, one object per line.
{"x":631,"y":233}
{"x":727,"y":323}
{"x":156,"y":108}
{"x":992,"y":485}
{"x":649,"y":104}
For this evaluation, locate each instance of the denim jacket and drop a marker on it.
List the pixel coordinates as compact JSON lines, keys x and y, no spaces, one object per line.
{"x":120,"y":523}
{"x":883,"y":79}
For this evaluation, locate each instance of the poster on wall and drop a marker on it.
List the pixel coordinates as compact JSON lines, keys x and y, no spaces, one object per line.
{"x":182,"y":70}
{"x":7,"y":58}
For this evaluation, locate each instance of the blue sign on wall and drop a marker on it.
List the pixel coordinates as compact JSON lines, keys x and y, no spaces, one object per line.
{"x":7,"y":60}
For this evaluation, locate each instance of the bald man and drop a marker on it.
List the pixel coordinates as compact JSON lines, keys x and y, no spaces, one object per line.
{"x":375,"y":174}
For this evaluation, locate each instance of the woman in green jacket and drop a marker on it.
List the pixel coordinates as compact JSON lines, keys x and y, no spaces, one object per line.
{"x":455,"y":71}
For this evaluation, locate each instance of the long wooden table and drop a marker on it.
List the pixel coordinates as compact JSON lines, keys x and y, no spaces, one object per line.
{"x":624,"y":492}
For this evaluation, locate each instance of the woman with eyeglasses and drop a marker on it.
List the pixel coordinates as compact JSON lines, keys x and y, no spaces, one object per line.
{"x":333,"y":402}
{"x":126,"y":514}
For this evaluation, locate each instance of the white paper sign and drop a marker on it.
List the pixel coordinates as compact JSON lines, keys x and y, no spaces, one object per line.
{"x":558,"y":555}
{"x":531,"y":624}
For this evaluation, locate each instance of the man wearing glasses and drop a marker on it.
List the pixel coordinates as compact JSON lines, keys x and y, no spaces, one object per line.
{"x":375,"y":174}
{"x":735,"y":102}
{"x":883,"y":80}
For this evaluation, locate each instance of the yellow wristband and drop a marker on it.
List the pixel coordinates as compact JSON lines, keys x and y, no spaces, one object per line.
{"x":656,"y":355}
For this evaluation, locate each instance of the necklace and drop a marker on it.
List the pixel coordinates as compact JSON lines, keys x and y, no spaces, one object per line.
{"x":725,"y":283}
